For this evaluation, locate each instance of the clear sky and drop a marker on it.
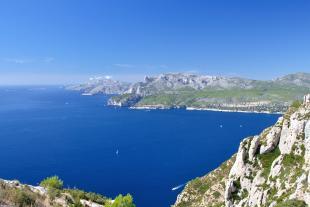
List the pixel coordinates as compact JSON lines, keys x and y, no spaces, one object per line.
{"x":56,"y":41}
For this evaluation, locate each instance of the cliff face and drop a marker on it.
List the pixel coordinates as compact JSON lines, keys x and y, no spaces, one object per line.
{"x":270,"y":169}
{"x":175,"y":90}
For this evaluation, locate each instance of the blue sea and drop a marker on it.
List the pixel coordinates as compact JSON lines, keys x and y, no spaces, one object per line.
{"x":48,"y":131}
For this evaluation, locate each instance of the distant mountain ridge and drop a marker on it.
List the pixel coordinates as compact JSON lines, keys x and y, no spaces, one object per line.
{"x":300,"y":79}
{"x":97,"y":85}
{"x":203,"y":92}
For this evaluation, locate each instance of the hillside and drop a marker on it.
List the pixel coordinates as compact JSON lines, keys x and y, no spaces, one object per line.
{"x":51,"y":193}
{"x":174,"y":90}
{"x":213,"y":92}
{"x":271,"y":169}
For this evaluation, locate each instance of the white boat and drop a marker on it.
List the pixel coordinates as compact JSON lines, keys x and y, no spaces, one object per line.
{"x":86,"y":94}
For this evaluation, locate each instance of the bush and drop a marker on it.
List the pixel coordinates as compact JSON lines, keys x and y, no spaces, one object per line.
{"x":122,"y":201}
{"x":292,"y":203}
{"x":267,"y":160}
{"x":80,"y":194}
{"x":296,"y":104}
{"x":22,"y":198}
{"x":52,"y":183}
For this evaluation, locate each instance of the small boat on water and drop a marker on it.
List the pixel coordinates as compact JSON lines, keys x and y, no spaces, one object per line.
{"x":86,"y":94}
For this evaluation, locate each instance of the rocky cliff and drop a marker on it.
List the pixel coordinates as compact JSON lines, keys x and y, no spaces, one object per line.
{"x":175,"y":90}
{"x":271,"y":169}
{"x":15,"y":194}
{"x":215,"y":92}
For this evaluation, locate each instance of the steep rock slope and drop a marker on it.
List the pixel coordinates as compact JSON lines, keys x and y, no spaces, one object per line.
{"x":271,"y":169}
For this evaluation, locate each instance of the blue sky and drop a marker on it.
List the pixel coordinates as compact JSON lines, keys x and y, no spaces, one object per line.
{"x":60,"y":41}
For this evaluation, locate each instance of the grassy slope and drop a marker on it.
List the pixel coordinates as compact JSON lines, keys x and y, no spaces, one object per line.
{"x":201,"y":98}
{"x":207,"y":189}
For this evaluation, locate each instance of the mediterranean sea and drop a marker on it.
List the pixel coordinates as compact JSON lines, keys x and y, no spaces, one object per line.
{"x":47,"y":131}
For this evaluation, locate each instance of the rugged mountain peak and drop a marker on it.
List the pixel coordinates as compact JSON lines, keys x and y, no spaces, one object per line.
{"x":174,"y":81}
{"x":101,"y":84}
{"x":271,"y":169}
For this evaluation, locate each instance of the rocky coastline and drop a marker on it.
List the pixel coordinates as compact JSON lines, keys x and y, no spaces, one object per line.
{"x":51,"y":193}
{"x":202,"y":92}
{"x":271,"y":169}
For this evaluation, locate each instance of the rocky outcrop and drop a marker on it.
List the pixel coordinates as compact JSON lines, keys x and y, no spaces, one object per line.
{"x":271,"y":169}
{"x":100,"y":85}
{"x":126,"y":100}
{"x":15,"y":194}
{"x":208,"y":189}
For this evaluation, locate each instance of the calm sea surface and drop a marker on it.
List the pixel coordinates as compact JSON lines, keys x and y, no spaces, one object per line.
{"x":48,"y":131}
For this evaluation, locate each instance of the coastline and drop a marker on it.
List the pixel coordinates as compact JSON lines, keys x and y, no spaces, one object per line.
{"x":230,"y":110}
{"x":163,"y":107}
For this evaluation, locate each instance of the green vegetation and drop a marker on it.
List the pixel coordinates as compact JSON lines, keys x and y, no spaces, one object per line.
{"x":211,"y":186}
{"x":53,"y":185}
{"x":237,"y":195}
{"x":296,"y":104}
{"x":267,"y":160}
{"x":292,"y":169}
{"x":274,"y":94}
{"x":292,"y":203}
{"x":23,"y":196}
{"x":292,"y":163}
{"x":291,"y":160}
{"x":77,"y":195}
{"x":216,"y":194}
{"x":19,"y":197}
{"x":200,"y":185}
{"x":52,"y":182}
{"x":122,"y":201}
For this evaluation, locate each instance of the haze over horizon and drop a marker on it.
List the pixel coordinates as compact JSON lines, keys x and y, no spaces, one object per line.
{"x":60,"y":42}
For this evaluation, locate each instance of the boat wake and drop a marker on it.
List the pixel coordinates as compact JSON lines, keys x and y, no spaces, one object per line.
{"x":177,"y":187}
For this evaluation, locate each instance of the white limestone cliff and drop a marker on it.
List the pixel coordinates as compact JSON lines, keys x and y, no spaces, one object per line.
{"x":271,"y":169}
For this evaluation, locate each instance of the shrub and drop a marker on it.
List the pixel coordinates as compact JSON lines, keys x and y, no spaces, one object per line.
{"x":292,"y":203}
{"x":267,"y":160}
{"x":200,"y":185}
{"x":80,"y":194}
{"x":122,"y":201}
{"x":52,"y":183}
{"x":22,"y":198}
{"x":296,"y":104}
